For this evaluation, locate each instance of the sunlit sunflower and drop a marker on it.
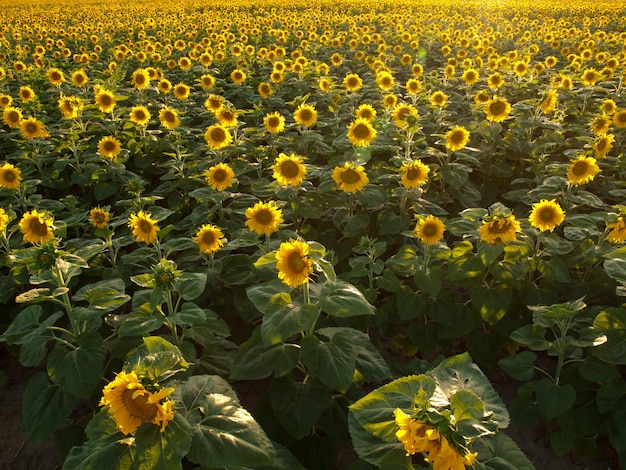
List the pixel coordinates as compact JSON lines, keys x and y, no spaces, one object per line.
{"x":140,"y":79}
{"x":274,"y":122}
{"x":70,"y":106}
{"x":37,"y":227}
{"x":582,"y":170}
{"x":404,"y":114}
{"x":430,"y":230}
{"x":144,"y":227}
{"x":367,"y":112}
{"x":390,"y":100}
{"x":546,"y":215}
{"x":5,"y":100}
{"x":214,"y":103}
{"x":105,"y":100}
{"x":619,"y":118}
{"x":10,"y":176}
{"x":608,"y":106}
{"x":169,"y":118}
{"x":276,"y":76}
{"x":181,"y":91}
{"x":33,"y":128}
{"x":109,"y":147}
{"x":238,"y":76}
{"x":164,"y":85}
{"x":293,"y":263}
{"x":603,"y":145}
{"x":495,"y":81}
{"x":549,"y":102}
{"x":617,"y":230}
{"x":414,"y":174}
{"x":226,"y":116}
{"x":12,"y":117}
{"x":140,"y":115}
{"x":384,"y":80}
{"x":438,"y":99}
{"x":4,"y":220}
{"x":305,"y":115}
{"x":220,"y":176}
{"x":457,"y":138}
{"x":217,"y":136}
{"x":601,"y":124}
{"x":131,"y":405}
{"x":26,"y":93}
{"x":289,"y":170}
{"x":497,"y":109}
{"x":264,"y":218}
{"x":413,"y":86}
{"x":352,"y":82}
{"x":350,"y":177}
{"x":470,"y":76}
{"x":99,"y":217}
{"x":265,"y":90}
{"x":207,"y":81}
{"x":324,"y":84}
{"x":590,"y":77}
{"x":499,"y":229}
{"x":482,"y":97}
{"x":209,"y":238}
{"x":55,"y":76}
{"x":361,"y":133}
{"x":79,"y":78}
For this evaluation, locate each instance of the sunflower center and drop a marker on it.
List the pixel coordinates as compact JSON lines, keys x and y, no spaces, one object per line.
{"x":429,"y":230}
{"x":38,"y":228}
{"x":218,"y":135}
{"x":547,"y":214}
{"x":55,"y":76}
{"x":106,"y":100}
{"x":208,"y":238}
{"x":306,"y":115}
{"x":264,"y":217}
{"x":366,"y":114}
{"x":273,"y":122}
{"x":137,"y":404}
{"x":499,"y":226}
{"x":144,"y":226}
{"x":296,"y":262}
{"x":168,"y":116}
{"x":457,"y":137}
{"x":352,"y":83}
{"x":31,"y":128}
{"x":580,"y":168}
{"x":350,"y":176}
{"x":140,"y":115}
{"x":289,"y":169}
{"x":220,"y":175}
{"x":497,"y":108}
{"x":140,"y":80}
{"x":13,"y":116}
{"x":8,"y":176}
{"x":413,"y":173}
{"x":361,"y":131}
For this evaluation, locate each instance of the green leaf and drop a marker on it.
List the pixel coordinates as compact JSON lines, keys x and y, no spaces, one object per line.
{"x":464,"y":263}
{"x":369,"y":447}
{"x":532,"y":336}
{"x":489,"y":252}
{"x":333,"y":362}
{"x":501,"y":453}
{"x":430,"y":281}
{"x":156,"y":359}
{"x":140,"y":322}
{"x":283,"y":319}
{"x":113,"y":451}
{"x":613,"y":324}
{"x":103,"y":296}
{"x":78,"y":370}
{"x":519,"y":366}
{"x":165,"y":450}
{"x":554,"y":400}
{"x":297,"y":405}
{"x":492,"y":303}
{"x":342,"y":299}
{"x":191,"y":285}
{"x":224,"y":434}
{"x":189,"y":314}
{"x":261,"y":294}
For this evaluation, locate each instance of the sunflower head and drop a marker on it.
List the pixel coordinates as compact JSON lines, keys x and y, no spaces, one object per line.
{"x":144,"y":227}
{"x":265,"y":90}
{"x":367,"y":112}
{"x":289,"y":170}
{"x":217,"y":136}
{"x":169,"y":118}
{"x":209,"y":238}
{"x":438,"y":99}
{"x":497,"y":109}
{"x":350,"y":177}
{"x":361,"y":133}
{"x":26,"y":93}
{"x":37,"y":227}
{"x":220,"y":176}
{"x":293,"y":263}
{"x":10,"y":176}
{"x":546,"y":215}
{"x":181,"y":91}
{"x":352,"y":82}
{"x":414,"y":174}
{"x":32,"y":128}
{"x":140,"y":115}
{"x":274,"y":123}
{"x":404,"y":115}
{"x":619,"y":118}
{"x":305,"y":115}
{"x":582,"y":170}
{"x":109,"y":147}
{"x":429,"y":230}
{"x":457,"y":138}
{"x":499,"y":228}
{"x":264,"y":218}
{"x":105,"y":100}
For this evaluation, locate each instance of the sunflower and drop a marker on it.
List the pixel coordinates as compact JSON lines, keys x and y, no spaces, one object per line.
{"x":414,"y":174}
{"x":470,"y":76}
{"x":603,"y":145}
{"x":106,"y":101}
{"x":352,"y":82}
{"x":140,"y":79}
{"x":164,"y":85}
{"x":209,"y":239}
{"x":482,"y":97}
{"x":385,"y":80}
{"x":293,"y":263}
{"x":367,"y":112}
{"x":274,"y":123}
{"x":12,"y":117}
{"x":144,"y":227}
{"x":429,"y":230}
{"x":549,"y":102}
{"x":324,"y":84}
{"x":70,"y":106}
{"x":55,"y":76}
{"x":140,"y":115}
{"x":99,"y":217}
{"x":265,"y":90}
{"x":390,"y":100}
{"x":33,"y":128}
{"x":10,"y":176}
{"x":601,"y":124}
{"x":220,"y":176}
{"x":608,"y":106}
{"x":79,"y":78}
{"x":184,"y":63}
{"x":5,"y":100}
{"x":413,"y":86}
{"x":226,"y":117}
{"x":217,"y":136}
{"x":4,"y":220}
{"x":438,"y":99}
{"x":289,"y":170}
{"x":360,"y":132}
{"x":350,"y":178}
{"x":502,"y":229}
{"x":238,"y":76}
{"x":590,"y":77}
{"x":495,"y":81}
{"x":582,"y":170}
{"x":264,"y":218}
{"x":305,"y":115}
{"x":131,"y":405}
{"x":497,"y":109}
{"x":546,"y":215}
{"x":617,"y":233}
{"x":109,"y":147}
{"x":181,"y":91}
{"x":36,"y":227}
{"x":402,"y":113}
{"x":276,"y":76}
{"x":214,"y":103}
{"x":207,"y":81}
{"x":26,"y":93}
{"x":169,"y":118}
{"x":619,"y":118}
{"x":457,"y":138}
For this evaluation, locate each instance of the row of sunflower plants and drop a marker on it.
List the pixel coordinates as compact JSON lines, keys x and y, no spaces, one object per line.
{"x":260,"y":196}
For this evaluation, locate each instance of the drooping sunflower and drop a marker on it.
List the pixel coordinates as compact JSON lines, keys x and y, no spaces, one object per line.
{"x":26,"y":93}
{"x":501,"y":229}
{"x":429,"y":230}
{"x":546,"y":215}
{"x":366,"y":111}
{"x":55,"y":76}
{"x":144,"y":227}
{"x":33,"y":128}
{"x":305,"y":115}
{"x":220,"y":176}
{"x":438,"y":99}
{"x":226,"y":116}
{"x":109,"y":147}
{"x":131,"y":405}
{"x":169,"y":118}
{"x":582,"y":170}
{"x":181,"y":91}
{"x":209,"y":238}
{"x":603,"y":145}
{"x":350,"y":177}
{"x":548,"y":104}
{"x":361,"y":133}
{"x":457,"y":138}
{"x":105,"y":100}
{"x":10,"y":176}
{"x":274,"y":122}
{"x":293,"y":263}
{"x":37,"y":227}
{"x":414,"y":174}
{"x":99,"y":217}
{"x":79,"y":78}
{"x":265,"y":90}
{"x":264,"y":218}
{"x":497,"y":109}
{"x":140,"y":115}
{"x":617,"y":230}
{"x":289,"y":170}
{"x":217,"y":136}
{"x":12,"y":117}
{"x":619,"y":118}
{"x":403,"y":114}
{"x":352,"y":82}
{"x":238,"y":76}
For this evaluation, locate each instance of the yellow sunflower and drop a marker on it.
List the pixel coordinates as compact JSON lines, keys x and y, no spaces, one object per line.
{"x":619,"y":118}
{"x":227,"y":117}
{"x":582,"y":170}
{"x":546,"y":215}
{"x":305,"y":115}
{"x":350,"y":178}
{"x":105,"y":100}
{"x":601,"y":124}
{"x":169,"y":118}
{"x":367,"y":112}
{"x":26,"y":93}
{"x":265,"y":90}
{"x":131,"y":405}
{"x":497,"y":109}
{"x":209,"y":239}
{"x":36,"y":227}
{"x":10,"y":176}
{"x":274,"y":123}
{"x":413,"y":86}
{"x":214,"y":103}
{"x":99,"y":217}
{"x":79,"y":78}
{"x":220,"y":176}
{"x":549,"y":102}
{"x":324,"y":84}
{"x":414,"y":174}
{"x":217,"y":136}
{"x":608,"y":106}
{"x":385,"y":80}
{"x":207,"y":81}
{"x":164,"y":85}
{"x":603,"y":145}
{"x":144,"y":227}
{"x":238,"y":76}
{"x":293,"y":263}
{"x":617,"y":230}
{"x":181,"y":91}
{"x":590,"y":76}
{"x":109,"y":147}
{"x":438,"y":99}
{"x":55,"y":76}
{"x":70,"y":106}
{"x":390,"y":100}
{"x":499,"y":229}
{"x":5,"y":100}
{"x":470,"y":76}
{"x":429,"y":230}
{"x":140,"y":115}
{"x":264,"y":218}
{"x":12,"y":117}
{"x":289,"y":170}
{"x":360,"y":132}
{"x":402,"y":113}
{"x":495,"y":81}
{"x":140,"y":79}
{"x":33,"y":128}
{"x":352,"y":82}
{"x":457,"y":138}
{"x":4,"y":220}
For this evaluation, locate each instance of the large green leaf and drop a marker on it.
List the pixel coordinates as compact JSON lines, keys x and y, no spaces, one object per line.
{"x":519,"y":366}
{"x":492,"y":303}
{"x":430,"y":281}
{"x":224,"y":434}
{"x":261,"y":294}
{"x":500,"y":453}
{"x":369,"y":447}
{"x":79,"y":369}
{"x":103,"y":296}
{"x":113,"y":451}
{"x":342,"y":299}
{"x":283,"y":319}
{"x":191,"y":285}
{"x":553,"y":400}
{"x":165,"y":450}
{"x":613,"y":324}
{"x":333,"y":362}
{"x":156,"y":359}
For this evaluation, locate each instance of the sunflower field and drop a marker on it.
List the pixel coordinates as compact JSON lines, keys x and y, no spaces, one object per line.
{"x":360,"y":214}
